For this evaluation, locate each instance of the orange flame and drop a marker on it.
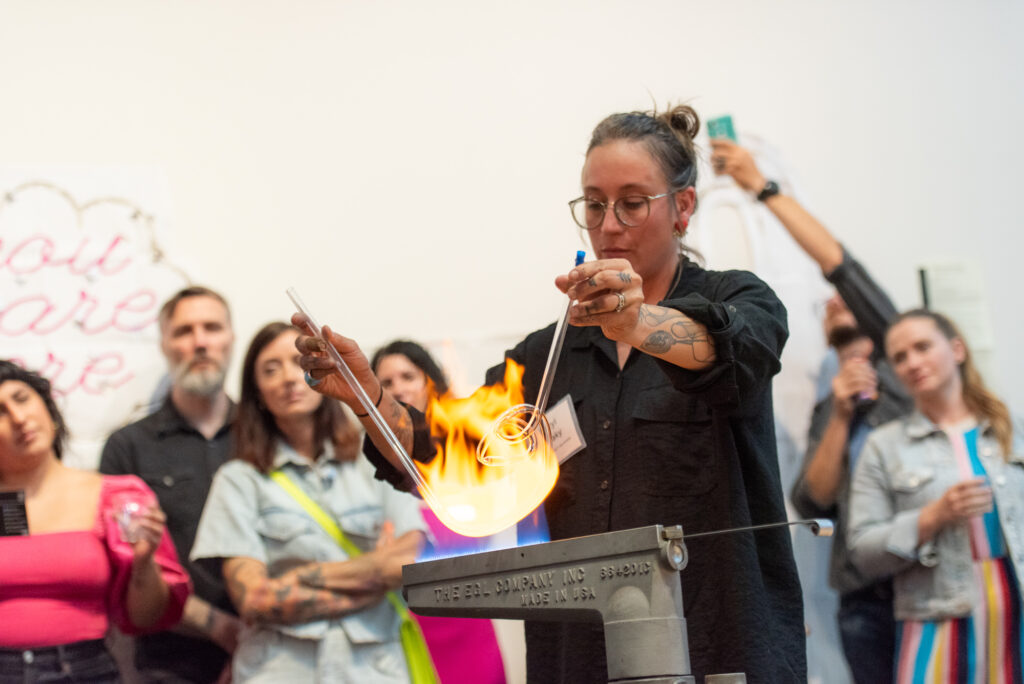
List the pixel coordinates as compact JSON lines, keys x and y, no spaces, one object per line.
{"x":469,"y":497}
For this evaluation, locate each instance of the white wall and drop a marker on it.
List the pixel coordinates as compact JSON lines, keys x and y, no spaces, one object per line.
{"x":406,"y":164}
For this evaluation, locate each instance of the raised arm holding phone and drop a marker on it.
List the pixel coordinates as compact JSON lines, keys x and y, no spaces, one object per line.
{"x":864,"y":394}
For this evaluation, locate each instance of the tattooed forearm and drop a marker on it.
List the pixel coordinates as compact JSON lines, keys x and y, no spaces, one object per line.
{"x":401,"y":422}
{"x":210,"y":619}
{"x":235,"y":586}
{"x":261,"y":599}
{"x":311,"y":576}
{"x":656,"y":315}
{"x":674,"y":329}
{"x":658,"y":342}
{"x":355,"y":575}
{"x":661,"y":341}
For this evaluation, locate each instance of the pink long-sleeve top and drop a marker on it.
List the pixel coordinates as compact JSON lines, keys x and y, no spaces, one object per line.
{"x":63,"y":587}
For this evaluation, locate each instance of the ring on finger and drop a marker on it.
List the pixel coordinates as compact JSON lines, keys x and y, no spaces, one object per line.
{"x":311,"y":381}
{"x":622,"y":302}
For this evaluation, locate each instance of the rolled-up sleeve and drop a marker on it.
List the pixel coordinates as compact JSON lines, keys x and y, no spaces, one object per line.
{"x":747,"y":322}
{"x":883,"y":541}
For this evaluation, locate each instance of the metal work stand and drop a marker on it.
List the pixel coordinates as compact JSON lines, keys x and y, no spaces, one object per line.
{"x":629,"y":580}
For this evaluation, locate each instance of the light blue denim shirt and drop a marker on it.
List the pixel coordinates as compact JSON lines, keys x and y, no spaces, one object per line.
{"x":906,"y":464}
{"x":248,"y":514}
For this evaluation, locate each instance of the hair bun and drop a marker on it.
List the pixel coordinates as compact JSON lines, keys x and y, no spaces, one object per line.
{"x":682,"y":119}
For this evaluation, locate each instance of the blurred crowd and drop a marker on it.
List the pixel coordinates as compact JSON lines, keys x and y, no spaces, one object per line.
{"x":262,"y":539}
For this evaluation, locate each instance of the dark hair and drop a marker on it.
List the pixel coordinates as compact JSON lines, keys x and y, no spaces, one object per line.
{"x":167,"y":310}
{"x":979,"y":399}
{"x":255,"y":430}
{"x":41,"y":386}
{"x":668,"y":137}
{"x":419,"y":357}
{"x":842,"y":335}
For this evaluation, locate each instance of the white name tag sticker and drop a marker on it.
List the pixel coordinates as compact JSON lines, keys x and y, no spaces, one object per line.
{"x":566,"y":438}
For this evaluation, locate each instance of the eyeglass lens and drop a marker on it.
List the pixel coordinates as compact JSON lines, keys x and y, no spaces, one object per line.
{"x":631,"y":210}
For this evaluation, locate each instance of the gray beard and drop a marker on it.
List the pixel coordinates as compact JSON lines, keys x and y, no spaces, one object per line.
{"x":205,"y":383}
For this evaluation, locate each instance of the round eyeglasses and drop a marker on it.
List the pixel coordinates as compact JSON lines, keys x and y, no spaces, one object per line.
{"x":630,"y":211}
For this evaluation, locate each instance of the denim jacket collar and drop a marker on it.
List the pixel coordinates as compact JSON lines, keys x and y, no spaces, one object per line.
{"x":919,"y":426}
{"x":287,"y":455}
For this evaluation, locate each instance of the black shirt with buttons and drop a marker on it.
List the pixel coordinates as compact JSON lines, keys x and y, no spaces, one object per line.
{"x":670,"y":446}
{"x":178,"y":464}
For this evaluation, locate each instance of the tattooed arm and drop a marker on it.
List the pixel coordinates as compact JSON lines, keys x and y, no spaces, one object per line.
{"x":316,"y":591}
{"x":401,"y":424}
{"x":380,"y":569}
{"x":608,"y":293}
{"x":203,"y":620}
{"x":670,"y":335}
{"x":285,"y":600}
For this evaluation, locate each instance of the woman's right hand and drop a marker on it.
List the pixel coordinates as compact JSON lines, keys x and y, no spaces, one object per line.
{"x":148,"y":527}
{"x":967,"y":499}
{"x":959,"y":503}
{"x":320,"y":366}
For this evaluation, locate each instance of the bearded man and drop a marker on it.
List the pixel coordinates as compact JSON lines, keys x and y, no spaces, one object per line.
{"x":176,"y":450}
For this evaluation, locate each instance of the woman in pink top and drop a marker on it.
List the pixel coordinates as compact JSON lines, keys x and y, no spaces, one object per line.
{"x":94,"y":550}
{"x":465,"y":651}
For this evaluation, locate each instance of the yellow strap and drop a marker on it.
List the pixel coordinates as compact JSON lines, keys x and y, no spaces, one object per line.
{"x":324,"y":519}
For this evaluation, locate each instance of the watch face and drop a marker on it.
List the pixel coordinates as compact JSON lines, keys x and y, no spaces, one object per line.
{"x":771,"y":188}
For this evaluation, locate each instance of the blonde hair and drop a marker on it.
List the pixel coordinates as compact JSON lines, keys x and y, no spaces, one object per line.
{"x":978,"y":398}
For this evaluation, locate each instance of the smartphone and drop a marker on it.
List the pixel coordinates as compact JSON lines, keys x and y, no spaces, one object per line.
{"x":13,"y":519}
{"x":721,"y":127}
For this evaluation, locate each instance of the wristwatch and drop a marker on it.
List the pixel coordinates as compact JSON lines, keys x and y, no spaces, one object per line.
{"x":771,"y":189}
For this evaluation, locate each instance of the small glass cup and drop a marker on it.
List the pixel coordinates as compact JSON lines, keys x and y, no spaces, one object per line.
{"x":127,"y":514}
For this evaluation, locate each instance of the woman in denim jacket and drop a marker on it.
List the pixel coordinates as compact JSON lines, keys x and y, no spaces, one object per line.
{"x":937,"y":501}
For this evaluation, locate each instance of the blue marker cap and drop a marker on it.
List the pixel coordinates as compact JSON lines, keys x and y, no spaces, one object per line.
{"x":580,"y":256}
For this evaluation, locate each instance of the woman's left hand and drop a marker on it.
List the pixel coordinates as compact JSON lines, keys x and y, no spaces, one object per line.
{"x":151,"y":522}
{"x":607,"y":293}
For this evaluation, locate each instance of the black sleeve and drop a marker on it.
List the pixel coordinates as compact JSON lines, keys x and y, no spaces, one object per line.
{"x":118,"y":456}
{"x":747,"y":322}
{"x":868,"y":302}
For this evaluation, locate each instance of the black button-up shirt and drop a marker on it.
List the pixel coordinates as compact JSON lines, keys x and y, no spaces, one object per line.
{"x":178,"y":463}
{"x":670,"y":446}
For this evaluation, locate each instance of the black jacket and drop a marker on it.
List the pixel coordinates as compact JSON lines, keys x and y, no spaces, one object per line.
{"x":671,"y":446}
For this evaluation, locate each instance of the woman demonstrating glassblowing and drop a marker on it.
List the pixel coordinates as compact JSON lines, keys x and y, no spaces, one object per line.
{"x":669,"y":367}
